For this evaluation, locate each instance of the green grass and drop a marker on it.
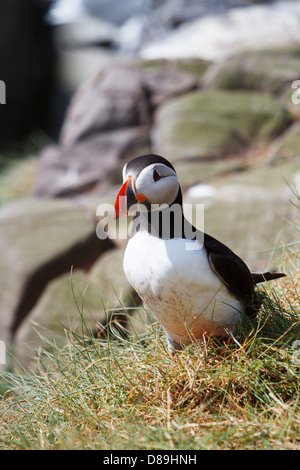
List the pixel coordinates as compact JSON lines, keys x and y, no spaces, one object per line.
{"x":129,"y":393}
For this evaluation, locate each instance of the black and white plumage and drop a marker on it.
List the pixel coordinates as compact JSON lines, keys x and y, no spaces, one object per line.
{"x":194,"y":285}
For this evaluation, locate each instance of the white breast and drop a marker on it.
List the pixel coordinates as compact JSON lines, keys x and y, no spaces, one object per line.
{"x":174,"y":279}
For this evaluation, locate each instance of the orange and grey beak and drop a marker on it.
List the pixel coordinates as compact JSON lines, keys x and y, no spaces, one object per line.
{"x":127,"y":198}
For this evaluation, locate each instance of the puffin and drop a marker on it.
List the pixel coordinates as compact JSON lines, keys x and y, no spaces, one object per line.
{"x":194,"y":285}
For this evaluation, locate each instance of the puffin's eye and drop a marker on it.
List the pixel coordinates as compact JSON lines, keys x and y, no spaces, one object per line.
{"x":156,"y":176}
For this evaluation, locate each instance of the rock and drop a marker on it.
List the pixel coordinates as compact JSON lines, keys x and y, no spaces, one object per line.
{"x":39,"y":241}
{"x":251,"y":212}
{"x":287,"y":146}
{"x":108,"y":274}
{"x":17,"y":179}
{"x":69,"y":305}
{"x":79,"y":303}
{"x":269,"y":71}
{"x":216,"y":124}
{"x":202,"y":172}
{"x":113,"y":99}
{"x":105,"y":126}
{"x":167,"y":81}
{"x":194,"y":66}
{"x":67,"y":171}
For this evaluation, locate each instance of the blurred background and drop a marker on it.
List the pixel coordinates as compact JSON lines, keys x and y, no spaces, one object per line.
{"x":90,"y":84}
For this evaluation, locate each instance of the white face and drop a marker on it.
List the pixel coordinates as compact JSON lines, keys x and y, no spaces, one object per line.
{"x":158,"y":183}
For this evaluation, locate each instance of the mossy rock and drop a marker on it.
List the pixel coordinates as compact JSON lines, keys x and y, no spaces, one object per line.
{"x":252,"y":213}
{"x":214,"y":124}
{"x":40,"y":240}
{"x":201,"y":171}
{"x":256,"y":230}
{"x":274,"y":178}
{"x":17,"y":179}
{"x":195,"y":66}
{"x":70,"y":304}
{"x":77,"y":302}
{"x":287,"y":146}
{"x":268,"y":71}
{"x":120,"y":297}
{"x":108,"y":275}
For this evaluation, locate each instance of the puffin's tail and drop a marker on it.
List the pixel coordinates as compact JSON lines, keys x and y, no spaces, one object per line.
{"x":262,"y":277}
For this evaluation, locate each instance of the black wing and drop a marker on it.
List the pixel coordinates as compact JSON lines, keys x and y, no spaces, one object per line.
{"x":232,"y":270}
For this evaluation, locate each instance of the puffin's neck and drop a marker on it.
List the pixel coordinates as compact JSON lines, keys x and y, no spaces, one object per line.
{"x":166,"y":222}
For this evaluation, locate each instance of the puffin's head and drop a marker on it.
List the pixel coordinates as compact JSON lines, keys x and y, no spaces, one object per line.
{"x":149,"y":180}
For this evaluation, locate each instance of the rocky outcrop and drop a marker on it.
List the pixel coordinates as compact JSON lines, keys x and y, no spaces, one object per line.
{"x":108,"y":123}
{"x":287,"y":146}
{"x":217,"y":124}
{"x":88,"y":164}
{"x":166,"y":82}
{"x":77,"y":303}
{"x":40,"y":241}
{"x":113,"y":99}
{"x":270,"y":71}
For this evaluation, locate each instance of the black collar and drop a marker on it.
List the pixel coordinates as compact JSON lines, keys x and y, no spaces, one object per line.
{"x":167,"y":222}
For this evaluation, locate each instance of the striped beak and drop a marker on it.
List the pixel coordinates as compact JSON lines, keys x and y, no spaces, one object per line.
{"x":126,"y":198}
